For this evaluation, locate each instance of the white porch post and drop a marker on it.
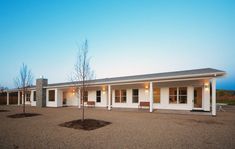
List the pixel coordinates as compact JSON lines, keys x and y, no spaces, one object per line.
{"x":151,"y":97}
{"x":18,"y":97}
{"x":7,"y":98}
{"x":79,"y":98}
{"x":213,"y":83}
{"x":109,"y":97}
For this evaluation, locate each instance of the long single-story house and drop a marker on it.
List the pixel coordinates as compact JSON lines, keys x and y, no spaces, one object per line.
{"x":179,"y":90}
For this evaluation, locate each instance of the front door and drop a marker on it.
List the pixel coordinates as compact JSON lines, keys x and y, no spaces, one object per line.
{"x":197,"y":97}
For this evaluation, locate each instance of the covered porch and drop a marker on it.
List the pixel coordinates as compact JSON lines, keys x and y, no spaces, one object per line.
{"x":185,"y":94}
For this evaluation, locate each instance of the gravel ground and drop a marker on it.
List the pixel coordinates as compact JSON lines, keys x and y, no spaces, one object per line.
{"x":129,"y":129}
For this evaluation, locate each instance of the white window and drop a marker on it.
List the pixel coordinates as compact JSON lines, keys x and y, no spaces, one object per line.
{"x":27,"y":96}
{"x":34,"y":95}
{"x":51,"y":95}
{"x":98,"y":96}
{"x":178,"y":95}
{"x":120,"y":96}
{"x":135,"y":96}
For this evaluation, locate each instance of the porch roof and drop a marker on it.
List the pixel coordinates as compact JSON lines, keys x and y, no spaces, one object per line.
{"x":195,"y":73}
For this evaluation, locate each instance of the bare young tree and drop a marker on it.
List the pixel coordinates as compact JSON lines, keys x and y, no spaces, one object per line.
{"x":2,"y":92}
{"x":2,"y":89}
{"x":82,"y":72}
{"x":24,"y":81}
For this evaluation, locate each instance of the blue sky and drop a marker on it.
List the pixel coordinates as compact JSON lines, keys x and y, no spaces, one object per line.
{"x":126,"y":37}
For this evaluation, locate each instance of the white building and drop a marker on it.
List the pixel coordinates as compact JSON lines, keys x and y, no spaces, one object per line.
{"x":181,"y":90}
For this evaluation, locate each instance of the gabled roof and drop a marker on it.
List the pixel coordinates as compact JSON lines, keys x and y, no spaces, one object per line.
{"x":205,"y":72}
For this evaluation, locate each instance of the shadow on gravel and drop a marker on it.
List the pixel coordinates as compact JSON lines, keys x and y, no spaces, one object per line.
{"x":205,"y":121}
{"x":87,"y":124}
{"x":22,"y":115}
{"x":4,"y":110}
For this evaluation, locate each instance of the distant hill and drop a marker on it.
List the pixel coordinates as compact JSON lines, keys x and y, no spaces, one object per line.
{"x":226,"y":96}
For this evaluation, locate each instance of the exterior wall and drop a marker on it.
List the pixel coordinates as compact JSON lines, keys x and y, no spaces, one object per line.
{"x":72,"y":99}
{"x":92,"y":97}
{"x":164,"y":100}
{"x":143,"y":96}
{"x":57,"y":101}
{"x":33,"y":103}
{"x":206,"y":97}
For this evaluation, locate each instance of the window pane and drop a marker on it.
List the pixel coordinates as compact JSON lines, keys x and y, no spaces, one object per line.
{"x":183,"y":91}
{"x":117,"y":92}
{"x":173,"y":99}
{"x":51,"y":95}
{"x":123,"y":93}
{"x":135,"y":96}
{"x":117,"y":99}
{"x":173,"y":95}
{"x":173,"y":91}
{"x":98,"y":96}
{"x":98,"y":99}
{"x":85,"y":96}
{"x":123,"y":99}
{"x":117,"y":95}
{"x":98,"y":93}
{"x":27,"y":96}
{"x":135,"y":99}
{"x":34,"y":95}
{"x":135,"y":92}
{"x":182,"y":99}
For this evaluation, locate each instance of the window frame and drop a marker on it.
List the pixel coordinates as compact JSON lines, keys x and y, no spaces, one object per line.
{"x":98,"y":96}
{"x":179,"y":95}
{"x":27,"y":96}
{"x":182,"y":95}
{"x":34,"y":96}
{"x":49,"y":95}
{"x":135,"y":96}
{"x":119,"y":96}
{"x":85,"y":96}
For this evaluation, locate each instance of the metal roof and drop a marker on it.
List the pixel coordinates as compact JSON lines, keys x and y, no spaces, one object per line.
{"x":205,"y":72}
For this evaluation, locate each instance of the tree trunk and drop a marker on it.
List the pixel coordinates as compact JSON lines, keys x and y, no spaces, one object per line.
{"x":24,"y":102}
{"x":83,"y":103}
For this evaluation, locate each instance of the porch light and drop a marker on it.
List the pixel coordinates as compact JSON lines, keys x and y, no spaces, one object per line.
{"x":103,"y":89}
{"x":146,"y":88}
{"x":206,"y":86}
{"x":73,"y":92}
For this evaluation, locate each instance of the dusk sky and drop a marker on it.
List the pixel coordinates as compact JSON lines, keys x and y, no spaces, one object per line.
{"x":125,"y":37}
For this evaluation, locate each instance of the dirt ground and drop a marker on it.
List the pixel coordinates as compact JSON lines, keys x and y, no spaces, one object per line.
{"x":129,"y":129}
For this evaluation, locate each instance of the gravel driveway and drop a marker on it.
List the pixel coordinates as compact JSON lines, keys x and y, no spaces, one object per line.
{"x":129,"y":129}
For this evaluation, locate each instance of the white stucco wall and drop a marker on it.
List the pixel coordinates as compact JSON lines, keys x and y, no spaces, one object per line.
{"x":33,"y":103}
{"x":206,"y":97}
{"x":92,"y":97}
{"x":164,"y":100}
{"x":57,"y":98}
{"x":72,"y":99}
